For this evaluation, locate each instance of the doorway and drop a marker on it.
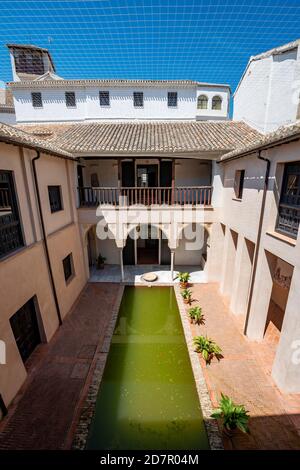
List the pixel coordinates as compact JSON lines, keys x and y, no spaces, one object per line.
{"x":25,"y":328}
{"x":147,"y":176}
{"x":148,"y":245}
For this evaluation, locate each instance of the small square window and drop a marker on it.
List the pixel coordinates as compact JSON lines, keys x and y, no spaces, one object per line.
{"x":70,"y":99}
{"x":138,"y":99}
{"x":55,"y":198}
{"x":239,"y":183}
{"x":104,"y":98}
{"x":36,"y":99}
{"x":68,"y":266}
{"x":172,"y":99}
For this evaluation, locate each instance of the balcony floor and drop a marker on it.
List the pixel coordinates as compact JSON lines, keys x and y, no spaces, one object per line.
{"x":111,"y":273}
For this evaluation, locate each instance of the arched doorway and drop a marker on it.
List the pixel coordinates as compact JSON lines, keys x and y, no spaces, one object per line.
{"x":146,"y":244}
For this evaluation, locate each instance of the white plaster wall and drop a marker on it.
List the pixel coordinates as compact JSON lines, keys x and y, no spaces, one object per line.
{"x":54,"y":106}
{"x":106,"y":170}
{"x":8,"y":118}
{"x":192,"y":172}
{"x":268,"y":95}
{"x":251,"y":98}
{"x":282,"y":105}
{"x":109,"y":250}
{"x":243,"y":215}
{"x":121,"y":104}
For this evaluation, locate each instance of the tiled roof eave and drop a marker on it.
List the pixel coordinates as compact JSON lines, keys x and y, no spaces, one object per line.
{"x":113,"y":83}
{"x":284,"y":134}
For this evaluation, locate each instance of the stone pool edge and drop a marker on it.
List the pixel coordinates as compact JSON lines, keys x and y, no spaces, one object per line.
{"x":211,"y":425}
{"x":89,"y":404}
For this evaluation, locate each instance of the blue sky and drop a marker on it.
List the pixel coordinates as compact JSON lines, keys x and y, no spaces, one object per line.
{"x":167,"y":39}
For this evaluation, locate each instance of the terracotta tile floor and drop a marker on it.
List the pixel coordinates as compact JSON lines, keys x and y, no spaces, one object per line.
{"x":44,"y":412}
{"x":245,"y":374}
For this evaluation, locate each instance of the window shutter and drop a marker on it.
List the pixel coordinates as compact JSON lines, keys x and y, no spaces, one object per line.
{"x":70,"y":99}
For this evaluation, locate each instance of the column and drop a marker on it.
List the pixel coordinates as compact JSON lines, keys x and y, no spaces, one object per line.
{"x":172,"y":265}
{"x":286,"y":366}
{"x":261,"y":296}
{"x":121,"y":264}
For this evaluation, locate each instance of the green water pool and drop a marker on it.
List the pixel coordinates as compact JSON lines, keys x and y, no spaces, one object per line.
{"x":148,"y":398}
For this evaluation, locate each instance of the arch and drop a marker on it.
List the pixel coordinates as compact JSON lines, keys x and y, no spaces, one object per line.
{"x":202,"y":102}
{"x":192,"y":245}
{"x":216,"y":103}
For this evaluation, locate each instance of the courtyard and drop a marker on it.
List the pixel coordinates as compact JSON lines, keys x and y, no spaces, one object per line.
{"x":61,"y":372}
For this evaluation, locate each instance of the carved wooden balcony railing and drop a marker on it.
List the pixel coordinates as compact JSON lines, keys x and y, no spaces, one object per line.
{"x":122,"y":197}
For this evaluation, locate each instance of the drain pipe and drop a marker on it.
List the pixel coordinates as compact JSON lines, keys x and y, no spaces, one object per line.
{"x":38,"y":156}
{"x":262,"y":213}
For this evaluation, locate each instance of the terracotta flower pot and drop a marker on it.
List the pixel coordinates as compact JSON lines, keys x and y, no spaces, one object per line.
{"x":183,"y":285}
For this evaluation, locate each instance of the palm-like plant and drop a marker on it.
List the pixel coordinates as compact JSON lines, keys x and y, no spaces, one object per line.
{"x":233,"y":416}
{"x":186,"y":295}
{"x":207,"y":348}
{"x":183,"y":279}
{"x":196,"y":315}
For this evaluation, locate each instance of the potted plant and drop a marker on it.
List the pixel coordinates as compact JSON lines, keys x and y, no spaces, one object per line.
{"x":196,"y":315}
{"x":187,"y":296}
{"x":183,"y":279}
{"x":207,"y":348}
{"x":100,"y":261}
{"x":233,"y":416}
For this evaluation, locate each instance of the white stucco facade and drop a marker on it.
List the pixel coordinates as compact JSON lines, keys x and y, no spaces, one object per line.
{"x":267,"y":96}
{"x":121,"y":106}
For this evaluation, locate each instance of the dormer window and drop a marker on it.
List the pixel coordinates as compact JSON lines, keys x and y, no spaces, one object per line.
{"x":36,"y":99}
{"x":202,"y":102}
{"x":28,"y":61}
{"x":217,"y":103}
{"x":70,"y":99}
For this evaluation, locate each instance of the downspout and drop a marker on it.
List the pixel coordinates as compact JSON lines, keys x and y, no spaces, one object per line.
{"x":38,"y":155}
{"x":258,"y":240}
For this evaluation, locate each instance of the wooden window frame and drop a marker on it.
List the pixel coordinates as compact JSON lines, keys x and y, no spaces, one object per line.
{"x":55,"y":206}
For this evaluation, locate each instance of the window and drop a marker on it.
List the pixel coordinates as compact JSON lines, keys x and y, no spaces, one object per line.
{"x":70,"y":99}
{"x":104,"y":98}
{"x":138,"y":99}
{"x":172,"y":99}
{"x":11,"y":237}
{"x":239,"y":183}
{"x":202,"y":102}
{"x":289,"y":204}
{"x":68,"y":267}
{"x":36,"y":99}
{"x":55,"y":198}
{"x":216,"y":103}
{"x":27,"y":61}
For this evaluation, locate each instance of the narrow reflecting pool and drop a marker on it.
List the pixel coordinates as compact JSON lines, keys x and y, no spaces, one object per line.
{"x":148,"y":398}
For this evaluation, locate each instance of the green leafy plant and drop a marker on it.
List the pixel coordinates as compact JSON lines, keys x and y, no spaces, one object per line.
{"x":187,"y":296}
{"x":207,"y":348}
{"x":233,"y":416}
{"x":183,"y":279}
{"x":100,"y":261}
{"x":196,"y":315}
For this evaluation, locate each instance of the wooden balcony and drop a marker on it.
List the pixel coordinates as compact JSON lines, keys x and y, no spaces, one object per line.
{"x":124,"y":197}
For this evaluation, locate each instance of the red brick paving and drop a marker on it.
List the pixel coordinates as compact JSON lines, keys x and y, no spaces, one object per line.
{"x":245,"y":375}
{"x":42,"y":415}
